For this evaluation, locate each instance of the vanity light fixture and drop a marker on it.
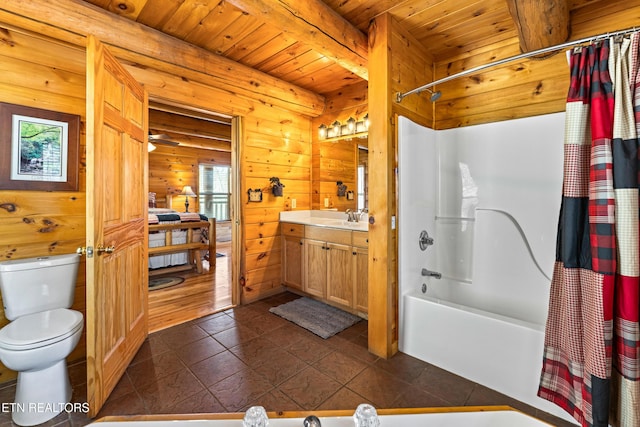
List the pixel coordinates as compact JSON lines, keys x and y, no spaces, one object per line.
{"x":337,"y":128}
{"x":322,"y":131}
{"x":351,"y":127}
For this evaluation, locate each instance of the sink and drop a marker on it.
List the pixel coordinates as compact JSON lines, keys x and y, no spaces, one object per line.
{"x":340,"y":223}
{"x":361,"y":225}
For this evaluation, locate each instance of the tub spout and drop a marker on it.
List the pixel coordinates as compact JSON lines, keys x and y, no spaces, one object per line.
{"x":430,"y":273}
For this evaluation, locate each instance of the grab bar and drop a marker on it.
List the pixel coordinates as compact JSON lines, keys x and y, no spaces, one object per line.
{"x":522,"y":234}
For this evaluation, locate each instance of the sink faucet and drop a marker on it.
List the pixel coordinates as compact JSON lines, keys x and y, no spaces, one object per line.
{"x":351,"y":216}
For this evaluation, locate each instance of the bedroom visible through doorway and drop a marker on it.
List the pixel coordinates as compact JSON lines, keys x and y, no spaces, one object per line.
{"x":193,"y":149}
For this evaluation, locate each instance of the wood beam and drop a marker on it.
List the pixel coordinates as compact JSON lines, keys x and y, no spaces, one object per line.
{"x":196,"y":142}
{"x":381,"y":201}
{"x":540,"y":23}
{"x":316,"y":25}
{"x":72,"y":20}
{"x":188,"y":126}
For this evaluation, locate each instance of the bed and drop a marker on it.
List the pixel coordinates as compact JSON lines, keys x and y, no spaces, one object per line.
{"x":179,"y":241}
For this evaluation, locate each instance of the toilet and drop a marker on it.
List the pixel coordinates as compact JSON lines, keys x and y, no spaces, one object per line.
{"x":37,"y":294}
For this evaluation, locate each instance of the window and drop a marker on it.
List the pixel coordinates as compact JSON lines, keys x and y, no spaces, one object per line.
{"x":215,"y":191}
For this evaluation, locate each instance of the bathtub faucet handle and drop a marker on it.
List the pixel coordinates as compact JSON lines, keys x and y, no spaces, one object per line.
{"x":424,"y":241}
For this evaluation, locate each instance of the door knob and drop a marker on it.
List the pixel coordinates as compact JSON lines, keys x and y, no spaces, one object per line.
{"x":88,"y":251}
{"x":107,"y":250}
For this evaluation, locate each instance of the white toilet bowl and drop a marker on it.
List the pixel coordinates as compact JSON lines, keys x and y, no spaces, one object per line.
{"x":36,"y":346}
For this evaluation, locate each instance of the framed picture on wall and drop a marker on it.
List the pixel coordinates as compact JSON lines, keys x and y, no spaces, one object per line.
{"x":38,"y":149}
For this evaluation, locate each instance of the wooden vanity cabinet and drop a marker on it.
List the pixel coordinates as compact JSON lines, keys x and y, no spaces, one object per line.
{"x":293,"y":255}
{"x":330,"y":264}
{"x":315,"y":261}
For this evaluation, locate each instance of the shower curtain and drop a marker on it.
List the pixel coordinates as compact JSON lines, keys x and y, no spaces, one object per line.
{"x":592,"y":341}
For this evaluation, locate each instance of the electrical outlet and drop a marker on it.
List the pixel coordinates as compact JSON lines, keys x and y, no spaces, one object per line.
{"x":326,"y":202}
{"x":293,"y":203}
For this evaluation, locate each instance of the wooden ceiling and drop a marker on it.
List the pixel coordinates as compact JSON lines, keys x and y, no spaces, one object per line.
{"x":321,"y":45}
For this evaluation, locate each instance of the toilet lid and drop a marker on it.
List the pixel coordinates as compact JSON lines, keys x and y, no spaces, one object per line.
{"x":40,"y":329}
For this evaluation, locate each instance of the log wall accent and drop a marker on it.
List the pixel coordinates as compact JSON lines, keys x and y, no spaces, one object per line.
{"x":69,"y":20}
{"x":523,"y":88}
{"x":315,"y":24}
{"x":337,"y":160}
{"x":401,"y":64}
{"x":535,"y":33}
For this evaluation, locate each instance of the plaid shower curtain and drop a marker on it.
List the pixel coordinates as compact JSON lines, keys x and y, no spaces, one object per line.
{"x":592,"y":341}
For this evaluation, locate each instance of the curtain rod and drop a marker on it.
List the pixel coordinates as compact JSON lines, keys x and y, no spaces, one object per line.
{"x":401,"y":96}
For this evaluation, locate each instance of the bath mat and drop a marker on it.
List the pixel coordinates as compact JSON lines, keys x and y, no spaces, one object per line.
{"x":315,"y":316}
{"x":164,"y":282}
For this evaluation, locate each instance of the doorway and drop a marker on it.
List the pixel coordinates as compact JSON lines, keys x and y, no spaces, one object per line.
{"x":189,"y":147}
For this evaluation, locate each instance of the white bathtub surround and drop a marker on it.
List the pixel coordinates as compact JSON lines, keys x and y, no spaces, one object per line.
{"x":488,"y":195}
{"x":325,"y":218}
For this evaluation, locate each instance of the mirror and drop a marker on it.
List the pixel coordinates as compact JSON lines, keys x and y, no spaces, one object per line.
{"x":363,"y":177}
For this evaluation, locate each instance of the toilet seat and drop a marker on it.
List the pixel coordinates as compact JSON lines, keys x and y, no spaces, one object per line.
{"x":40,"y":329}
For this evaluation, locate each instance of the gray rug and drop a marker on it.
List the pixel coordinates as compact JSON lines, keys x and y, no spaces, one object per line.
{"x":315,"y":316}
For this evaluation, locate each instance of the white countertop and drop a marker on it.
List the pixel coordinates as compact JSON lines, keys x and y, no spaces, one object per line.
{"x":332,"y":219}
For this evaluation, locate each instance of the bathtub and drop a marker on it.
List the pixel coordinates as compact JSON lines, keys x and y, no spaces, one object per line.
{"x":473,"y":418}
{"x":488,"y":328}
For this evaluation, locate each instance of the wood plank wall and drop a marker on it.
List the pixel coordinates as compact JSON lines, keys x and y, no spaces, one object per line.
{"x":39,"y":223}
{"x":337,"y":160}
{"x":273,"y":147}
{"x":522,"y":88}
{"x":173,"y":167}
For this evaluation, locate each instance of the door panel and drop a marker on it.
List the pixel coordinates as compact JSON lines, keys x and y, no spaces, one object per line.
{"x":340,"y":274}
{"x":315,"y":282}
{"x":116,"y":217}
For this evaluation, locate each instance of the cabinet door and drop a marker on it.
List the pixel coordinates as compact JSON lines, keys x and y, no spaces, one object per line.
{"x":293,"y":261}
{"x":316,"y":267}
{"x":361,"y":282}
{"x":340,"y":274}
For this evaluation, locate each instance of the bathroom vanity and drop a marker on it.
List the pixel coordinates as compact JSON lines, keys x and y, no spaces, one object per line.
{"x":326,"y":256}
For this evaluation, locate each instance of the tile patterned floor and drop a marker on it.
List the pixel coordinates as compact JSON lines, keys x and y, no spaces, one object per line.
{"x":231,"y":360}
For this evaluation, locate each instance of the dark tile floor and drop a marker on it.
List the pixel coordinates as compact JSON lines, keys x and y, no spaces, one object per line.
{"x":246,"y":356}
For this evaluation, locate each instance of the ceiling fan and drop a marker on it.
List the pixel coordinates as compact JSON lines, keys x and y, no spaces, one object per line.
{"x":162,"y":138}
{"x":159,"y":138}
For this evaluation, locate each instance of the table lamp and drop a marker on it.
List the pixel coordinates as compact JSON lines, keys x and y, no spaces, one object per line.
{"x":187,"y":192}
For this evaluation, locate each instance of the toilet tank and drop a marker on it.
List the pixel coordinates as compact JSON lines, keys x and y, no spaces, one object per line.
{"x":32,"y":285}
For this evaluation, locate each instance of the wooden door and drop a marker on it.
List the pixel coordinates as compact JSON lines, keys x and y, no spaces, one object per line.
{"x":340,"y":274}
{"x":116,"y":220}
{"x":361,"y":282}
{"x":293,"y":262}
{"x":315,"y":282}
